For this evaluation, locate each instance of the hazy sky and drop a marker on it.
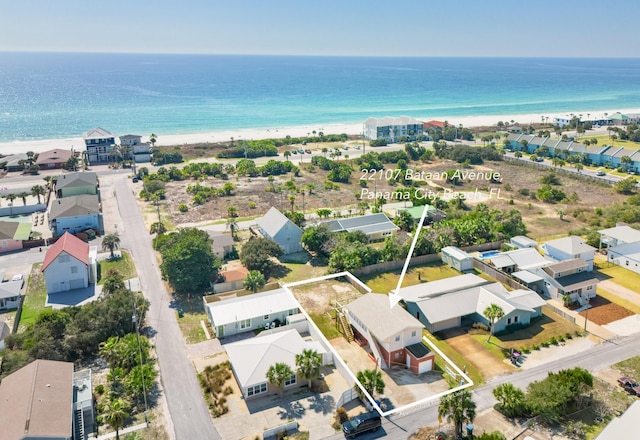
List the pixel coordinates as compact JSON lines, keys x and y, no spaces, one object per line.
{"x":325,"y":27}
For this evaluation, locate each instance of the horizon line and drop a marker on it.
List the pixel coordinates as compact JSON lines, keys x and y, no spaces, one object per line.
{"x":84,"y":52}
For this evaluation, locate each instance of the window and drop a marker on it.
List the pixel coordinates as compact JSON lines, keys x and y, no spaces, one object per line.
{"x":290,"y":381}
{"x":245,"y":323}
{"x":257,"y":389}
{"x":396,"y":356}
{"x":266,"y":317}
{"x":74,"y":269}
{"x":589,"y":287}
{"x":508,"y":321}
{"x":397,"y":338}
{"x":515,"y":319}
{"x":63,"y":258}
{"x":413,"y":333}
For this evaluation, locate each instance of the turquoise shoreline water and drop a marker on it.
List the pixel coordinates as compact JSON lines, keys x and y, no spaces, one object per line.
{"x":61,"y":95}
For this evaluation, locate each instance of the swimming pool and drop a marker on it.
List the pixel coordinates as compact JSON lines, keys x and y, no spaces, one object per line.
{"x":489,"y":254}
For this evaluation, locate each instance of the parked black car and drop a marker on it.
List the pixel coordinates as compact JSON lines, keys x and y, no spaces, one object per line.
{"x":363,"y":423}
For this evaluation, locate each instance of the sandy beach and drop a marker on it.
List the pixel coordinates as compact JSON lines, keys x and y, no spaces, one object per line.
{"x":166,"y":139}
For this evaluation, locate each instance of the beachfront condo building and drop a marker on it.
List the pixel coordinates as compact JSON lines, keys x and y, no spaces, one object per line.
{"x":391,"y":129}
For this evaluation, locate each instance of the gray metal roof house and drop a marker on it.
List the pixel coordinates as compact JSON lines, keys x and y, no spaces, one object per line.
{"x":275,"y":226}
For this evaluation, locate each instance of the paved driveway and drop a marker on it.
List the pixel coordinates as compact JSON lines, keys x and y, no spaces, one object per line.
{"x":473,"y":351}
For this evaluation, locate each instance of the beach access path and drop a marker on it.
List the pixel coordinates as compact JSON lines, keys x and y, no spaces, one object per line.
{"x":188,"y":413}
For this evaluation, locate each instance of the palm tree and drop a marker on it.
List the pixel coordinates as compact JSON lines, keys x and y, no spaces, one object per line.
{"x":278,"y":374}
{"x":370,"y":380}
{"x":292,"y":199}
{"x":157,"y":228}
{"x":37,"y":191}
{"x":153,"y":139}
{"x":24,"y":196}
{"x":308,"y":364}
{"x":459,"y":408}
{"x":287,"y":154}
{"x":114,"y":412}
{"x":254,"y":281}
{"x":510,"y":398}
{"x":493,"y":313}
{"x":561,"y":213}
{"x":111,"y":242}
{"x":113,"y":282}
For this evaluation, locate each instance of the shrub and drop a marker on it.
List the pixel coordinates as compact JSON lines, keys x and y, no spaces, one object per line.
{"x":182,"y":207}
{"x":568,"y":335}
{"x":553,"y":341}
{"x":99,"y":389}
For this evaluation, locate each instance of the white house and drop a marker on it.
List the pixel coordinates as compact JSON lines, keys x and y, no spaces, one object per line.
{"x":621,"y":427}
{"x":620,"y":234}
{"x":568,"y":248}
{"x":442,"y":304}
{"x":374,"y":226}
{"x":247,"y":313}
{"x":275,"y":226}
{"x":10,"y":294}
{"x":251,"y":358}
{"x":389,"y":332}
{"x":625,"y":255}
{"x":69,"y":264}
{"x":522,"y":241}
{"x":569,"y":277}
{"x":457,"y":258}
{"x":75,"y":214}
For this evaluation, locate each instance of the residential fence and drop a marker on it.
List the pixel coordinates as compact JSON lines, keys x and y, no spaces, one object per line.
{"x":561,"y":312}
{"x":348,"y":395}
{"x":422,"y":259}
{"x":16,"y":319}
{"x":498,"y":275}
{"x":22,"y":210}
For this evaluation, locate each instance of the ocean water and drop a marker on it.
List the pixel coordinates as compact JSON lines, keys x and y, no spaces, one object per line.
{"x":59,"y":95}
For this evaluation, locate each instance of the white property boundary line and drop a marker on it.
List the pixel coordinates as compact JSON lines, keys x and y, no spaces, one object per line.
{"x":336,"y":356}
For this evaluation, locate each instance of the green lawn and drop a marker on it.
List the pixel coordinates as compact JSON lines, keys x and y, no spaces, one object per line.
{"x":603,"y":139}
{"x":124,"y":265}
{"x":190,"y":322}
{"x":35,"y":296}
{"x":542,"y":329}
{"x":385,"y":282}
{"x":455,"y":357}
{"x":326,"y":324}
{"x":620,"y":275}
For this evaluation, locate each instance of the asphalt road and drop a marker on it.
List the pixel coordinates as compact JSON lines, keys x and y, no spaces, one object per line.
{"x":596,"y":358}
{"x":189,"y":415}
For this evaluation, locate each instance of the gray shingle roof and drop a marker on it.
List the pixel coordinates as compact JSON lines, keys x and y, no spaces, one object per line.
{"x":373,"y":309}
{"x":75,"y":206}
{"x":73,"y":180}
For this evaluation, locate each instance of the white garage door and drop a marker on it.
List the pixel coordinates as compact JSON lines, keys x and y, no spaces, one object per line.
{"x":425,"y":366}
{"x":76,"y":284}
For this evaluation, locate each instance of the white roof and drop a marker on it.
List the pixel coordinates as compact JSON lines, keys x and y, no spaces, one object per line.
{"x":622,"y":233}
{"x":631,"y":251}
{"x":476,"y":300}
{"x":228,"y":311}
{"x":620,"y":427}
{"x":522,"y":240}
{"x":383,"y":321}
{"x":273,"y":221}
{"x":456,"y":253}
{"x":389,"y":121}
{"x":251,"y":358}
{"x":439,"y":287}
{"x":525,"y":258}
{"x":526,"y":276}
{"x":571,"y":245}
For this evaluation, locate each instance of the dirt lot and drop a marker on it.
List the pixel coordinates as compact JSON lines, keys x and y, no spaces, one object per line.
{"x":317,"y":298}
{"x":603,"y":311}
{"x":251,"y":199}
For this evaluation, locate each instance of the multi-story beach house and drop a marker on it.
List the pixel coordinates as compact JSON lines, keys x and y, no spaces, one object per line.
{"x":393,"y":129}
{"x":132,"y":147}
{"x":101,"y":145}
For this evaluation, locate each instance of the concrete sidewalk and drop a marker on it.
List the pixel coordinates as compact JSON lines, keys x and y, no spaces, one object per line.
{"x":123,"y":431}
